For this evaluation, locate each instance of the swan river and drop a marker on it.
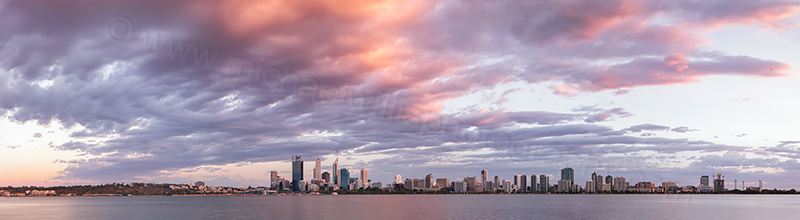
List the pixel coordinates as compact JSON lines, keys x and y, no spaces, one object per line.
{"x":527,"y":206}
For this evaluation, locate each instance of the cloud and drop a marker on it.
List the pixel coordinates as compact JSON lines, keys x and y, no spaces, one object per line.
{"x":647,"y":127}
{"x":206,"y":83}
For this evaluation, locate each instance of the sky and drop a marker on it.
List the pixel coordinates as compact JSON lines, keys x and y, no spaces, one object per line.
{"x":102,"y":91}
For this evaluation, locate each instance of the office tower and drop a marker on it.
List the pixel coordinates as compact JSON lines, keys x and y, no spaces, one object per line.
{"x":273,"y":177}
{"x":471,"y":182}
{"x":344,"y":178}
{"x":620,"y":185}
{"x":317,"y":170}
{"x":336,"y":171}
{"x":398,"y":179}
{"x":297,"y":172}
{"x":484,"y":178}
{"x":590,"y":186}
{"x":704,"y":180}
{"x":523,"y":185}
{"x":544,"y":183}
{"x":598,"y":182}
{"x":429,"y":181}
{"x":610,"y":182}
{"x":408,"y":184}
{"x":507,"y":186}
{"x":565,"y":185}
{"x":533,"y":183}
{"x":364,"y":176}
{"x":568,"y":174}
{"x":327,"y":177}
{"x":517,"y":181}
{"x":497,"y":183}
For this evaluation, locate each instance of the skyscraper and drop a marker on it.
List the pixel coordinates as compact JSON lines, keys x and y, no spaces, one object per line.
{"x":318,"y":170}
{"x":533,"y":183}
{"x":519,"y":182}
{"x":429,"y":181}
{"x":610,"y":181}
{"x":544,"y":183}
{"x":523,"y":185}
{"x":273,"y":177}
{"x":484,"y":178}
{"x":398,"y":179}
{"x":344,"y":178}
{"x":336,"y":171}
{"x":620,"y":185}
{"x":568,"y":174}
{"x":704,"y":180}
{"x":327,"y":177}
{"x":364,"y":177}
{"x":297,"y":172}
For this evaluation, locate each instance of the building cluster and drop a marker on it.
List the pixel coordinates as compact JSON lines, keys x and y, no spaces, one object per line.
{"x":341,"y":179}
{"x":338,"y":179}
{"x":33,"y":193}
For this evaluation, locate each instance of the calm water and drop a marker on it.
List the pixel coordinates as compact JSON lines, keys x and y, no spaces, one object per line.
{"x":408,"y":207}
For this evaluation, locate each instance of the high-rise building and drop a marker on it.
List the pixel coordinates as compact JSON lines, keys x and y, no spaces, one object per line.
{"x":719,"y":184}
{"x":568,"y":174}
{"x":598,"y":182}
{"x":497,"y":183}
{"x":565,"y":185}
{"x":590,"y":186}
{"x":429,"y":181}
{"x":484,"y":178}
{"x":471,"y":183}
{"x":273,"y":177}
{"x":336,"y":171}
{"x":544,"y":183}
{"x":704,"y":180}
{"x":398,"y":179}
{"x":327,"y":177}
{"x":344,"y":178}
{"x":318,"y":170}
{"x":364,"y":176}
{"x":610,"y":182}
{"x":620,"y":185}
{"x":533,"y":183}
{"x":297,"y":172}
{"x":443,"y":182}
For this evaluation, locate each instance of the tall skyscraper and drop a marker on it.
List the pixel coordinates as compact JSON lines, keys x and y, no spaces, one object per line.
{"x":297,"y":172}
{"x":610,"y":182}
{"x":484,"y":178}
{"x":336,"y":171}
{"x":364,"y":177}
{"x":544,"y":183}
{"x":523,"y":185}
{"x":344,"y":178}
{"x":568,"y":174}
{"x":318,"y":170}
{"x":533,"y":183}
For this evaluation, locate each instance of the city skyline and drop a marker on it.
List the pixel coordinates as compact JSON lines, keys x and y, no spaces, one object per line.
{"x":222,"y":91}
{"x":594,"y":183}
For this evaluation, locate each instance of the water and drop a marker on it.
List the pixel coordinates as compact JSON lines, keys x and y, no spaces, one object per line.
{"x":406,"y":207}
